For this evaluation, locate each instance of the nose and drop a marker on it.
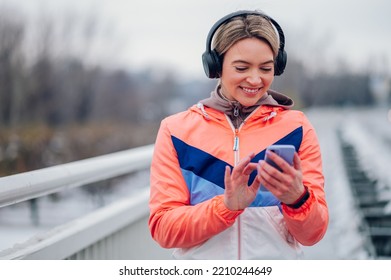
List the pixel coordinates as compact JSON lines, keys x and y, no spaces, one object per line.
{"x":254,"y":78}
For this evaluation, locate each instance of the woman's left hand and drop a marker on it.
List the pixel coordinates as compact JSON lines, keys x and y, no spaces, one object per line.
{"x":286,"y":185}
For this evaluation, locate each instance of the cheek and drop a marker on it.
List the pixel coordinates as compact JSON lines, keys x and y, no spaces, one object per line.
{"x":268,"y":80}
{"x":232,"y":77}
{"x":237,"y":78}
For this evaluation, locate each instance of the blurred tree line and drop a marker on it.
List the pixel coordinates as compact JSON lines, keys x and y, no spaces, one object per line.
{"x":55,"y":107}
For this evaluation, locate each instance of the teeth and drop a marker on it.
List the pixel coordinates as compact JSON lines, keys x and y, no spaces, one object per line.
{"x":250,"y":90}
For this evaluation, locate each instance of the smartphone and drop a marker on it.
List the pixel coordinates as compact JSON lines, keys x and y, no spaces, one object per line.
{"x":285,"y":151}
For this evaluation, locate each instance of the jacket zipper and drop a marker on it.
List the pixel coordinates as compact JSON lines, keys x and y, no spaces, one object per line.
{"x":237,"y":158}
{"x":236,"y":150}
{"x":236,"y":161}
{"x":236,"y":147}
{"x":236,"y":135}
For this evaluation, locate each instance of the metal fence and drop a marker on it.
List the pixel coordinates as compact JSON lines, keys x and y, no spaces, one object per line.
{"x":117,"y":231}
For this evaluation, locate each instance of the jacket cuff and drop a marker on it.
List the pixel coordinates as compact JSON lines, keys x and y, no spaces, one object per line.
{"x":302,"y":210}
{"x":301,"y":200}
{"x":223,"y":211}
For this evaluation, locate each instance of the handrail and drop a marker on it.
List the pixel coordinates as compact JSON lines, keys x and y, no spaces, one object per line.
{"x":117,"y":231}
{"x":65,"y":240}
{"x":33,"y":184}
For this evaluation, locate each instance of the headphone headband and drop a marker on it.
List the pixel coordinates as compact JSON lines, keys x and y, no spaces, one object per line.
{"x":211,"y":59}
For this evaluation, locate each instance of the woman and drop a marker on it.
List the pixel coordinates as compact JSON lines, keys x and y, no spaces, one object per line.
{"x":207,"y":168}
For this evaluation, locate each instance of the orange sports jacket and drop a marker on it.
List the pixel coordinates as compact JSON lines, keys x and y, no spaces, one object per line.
{"x":187,"y":185}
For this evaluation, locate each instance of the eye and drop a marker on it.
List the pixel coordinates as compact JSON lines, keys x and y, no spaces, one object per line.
{"x":266,"y":69}
{"x":240,"y":68}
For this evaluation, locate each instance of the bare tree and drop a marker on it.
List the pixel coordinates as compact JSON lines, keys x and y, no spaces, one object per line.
{"x":11,"y":67}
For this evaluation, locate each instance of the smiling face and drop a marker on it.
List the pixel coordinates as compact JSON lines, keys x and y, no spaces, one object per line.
{"x":247,"y":71}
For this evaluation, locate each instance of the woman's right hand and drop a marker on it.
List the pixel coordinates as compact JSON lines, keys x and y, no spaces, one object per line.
{"x":238,"y":195}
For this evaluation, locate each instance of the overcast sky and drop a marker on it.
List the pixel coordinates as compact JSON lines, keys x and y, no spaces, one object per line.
{"x":173,"y":32}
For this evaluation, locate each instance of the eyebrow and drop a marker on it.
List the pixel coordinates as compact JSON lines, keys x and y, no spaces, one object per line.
{"x":246,"y":62}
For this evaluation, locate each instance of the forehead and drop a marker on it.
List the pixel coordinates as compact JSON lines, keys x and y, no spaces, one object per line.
{"x":249,"y":49}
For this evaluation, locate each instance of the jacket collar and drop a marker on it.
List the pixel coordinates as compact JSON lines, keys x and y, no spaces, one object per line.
{"x":273,"y":101}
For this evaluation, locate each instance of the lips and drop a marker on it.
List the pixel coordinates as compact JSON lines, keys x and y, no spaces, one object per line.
{"x":250,"y":90}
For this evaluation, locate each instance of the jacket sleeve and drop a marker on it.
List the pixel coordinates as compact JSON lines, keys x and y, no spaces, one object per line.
{"x":309,"y":223}
{"x":173,"y":222}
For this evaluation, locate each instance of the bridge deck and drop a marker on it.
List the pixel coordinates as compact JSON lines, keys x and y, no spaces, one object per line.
{"x":346,"y":238}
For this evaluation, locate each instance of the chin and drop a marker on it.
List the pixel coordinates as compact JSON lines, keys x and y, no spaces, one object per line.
{"x":247,"y":103}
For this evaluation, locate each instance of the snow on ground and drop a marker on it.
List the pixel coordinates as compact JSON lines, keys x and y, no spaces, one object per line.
{"x":368,"y":129}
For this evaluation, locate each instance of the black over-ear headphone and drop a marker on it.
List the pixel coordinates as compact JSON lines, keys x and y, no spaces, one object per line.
{"x":212,"y":61}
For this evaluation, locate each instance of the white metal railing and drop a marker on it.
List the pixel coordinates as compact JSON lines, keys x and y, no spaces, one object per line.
{"x":28,"y":185}
{"x":117,"y":231}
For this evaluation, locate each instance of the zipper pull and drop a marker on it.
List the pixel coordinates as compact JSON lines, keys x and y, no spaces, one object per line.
{"x":236,"y":142}
{"x":236,"y":111}
{"x":272,"y":115}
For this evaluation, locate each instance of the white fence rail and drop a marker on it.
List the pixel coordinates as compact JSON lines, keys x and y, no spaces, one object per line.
{"x":118,"y":231}
{"x":24,"y":186}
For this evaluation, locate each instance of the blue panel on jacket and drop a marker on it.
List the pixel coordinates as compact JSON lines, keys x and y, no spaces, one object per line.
{"x":204,"y":173}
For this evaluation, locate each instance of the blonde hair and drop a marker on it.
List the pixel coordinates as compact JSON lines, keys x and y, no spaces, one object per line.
{"x":245,"y":26}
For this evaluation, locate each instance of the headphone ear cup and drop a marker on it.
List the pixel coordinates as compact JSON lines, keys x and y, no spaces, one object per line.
{"x":279,"y":65}
{"x":212,"y":64}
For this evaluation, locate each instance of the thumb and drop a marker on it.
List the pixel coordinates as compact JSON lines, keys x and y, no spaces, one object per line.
{"x":227,"y":176}
{"x":256,"y":184}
